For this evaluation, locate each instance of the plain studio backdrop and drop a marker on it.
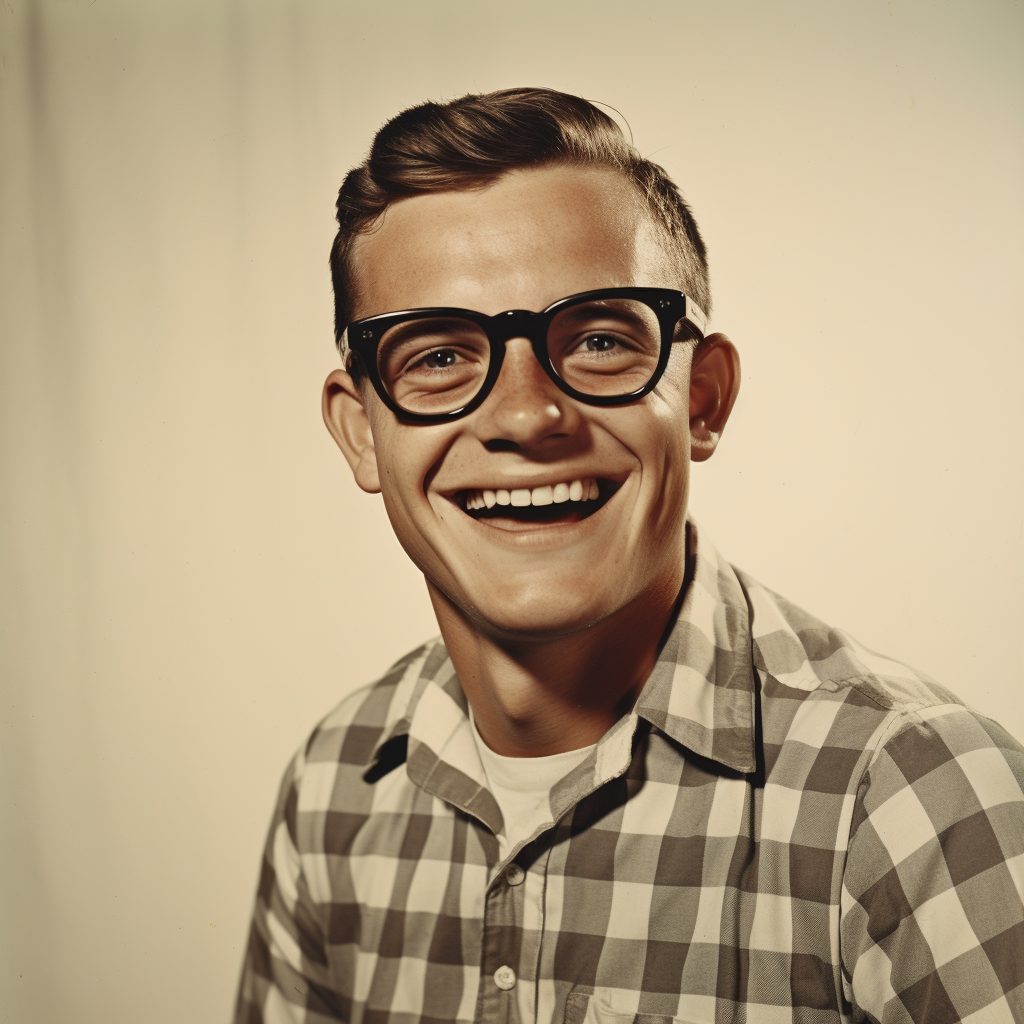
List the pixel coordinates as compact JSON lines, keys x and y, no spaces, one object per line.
{"x":190,"y":577}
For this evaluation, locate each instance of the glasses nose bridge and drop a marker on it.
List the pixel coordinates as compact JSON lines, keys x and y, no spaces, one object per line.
{"x":518,"y":323}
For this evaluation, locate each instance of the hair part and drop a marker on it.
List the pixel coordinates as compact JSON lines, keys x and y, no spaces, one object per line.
{"x":472,"y":141}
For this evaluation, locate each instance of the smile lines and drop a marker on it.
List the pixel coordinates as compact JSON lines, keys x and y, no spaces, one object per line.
{"x":585,"y":489}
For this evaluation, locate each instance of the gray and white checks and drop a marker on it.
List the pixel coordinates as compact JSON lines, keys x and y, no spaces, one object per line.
{"x":787,"y":827}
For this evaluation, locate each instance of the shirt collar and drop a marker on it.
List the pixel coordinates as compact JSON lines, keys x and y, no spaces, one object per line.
{"x":701,"y":693}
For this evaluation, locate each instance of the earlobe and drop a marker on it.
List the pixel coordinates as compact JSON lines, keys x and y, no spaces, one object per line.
{"x":714,"y":385}
{"x":347,"y":421}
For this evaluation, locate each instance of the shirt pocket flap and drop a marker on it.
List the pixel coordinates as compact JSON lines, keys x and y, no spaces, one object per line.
{"x":583,"y":1007}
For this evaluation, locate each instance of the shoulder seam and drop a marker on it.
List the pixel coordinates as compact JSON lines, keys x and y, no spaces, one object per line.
{"x":898,"y":707}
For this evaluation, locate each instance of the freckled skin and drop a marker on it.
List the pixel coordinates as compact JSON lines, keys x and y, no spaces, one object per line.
{"x":551,"y":629}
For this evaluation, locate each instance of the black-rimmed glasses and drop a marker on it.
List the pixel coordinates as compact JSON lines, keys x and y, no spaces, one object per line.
{"x":604,"y":347}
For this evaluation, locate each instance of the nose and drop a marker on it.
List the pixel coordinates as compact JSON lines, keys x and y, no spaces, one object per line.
{"x":525,"y":408}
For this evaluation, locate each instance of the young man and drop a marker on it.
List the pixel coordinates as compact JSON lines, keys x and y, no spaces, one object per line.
{"x":627,"y":783}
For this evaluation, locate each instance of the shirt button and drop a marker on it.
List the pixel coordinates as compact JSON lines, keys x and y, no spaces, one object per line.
{"x":504,"y":978}
{"x":514,"y":874}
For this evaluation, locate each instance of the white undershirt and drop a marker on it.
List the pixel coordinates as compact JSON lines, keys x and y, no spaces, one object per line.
{"x":521,"y":786}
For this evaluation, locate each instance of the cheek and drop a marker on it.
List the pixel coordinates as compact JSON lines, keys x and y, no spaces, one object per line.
{"x":674,"y":386}
{"x":671,"y":408}
{"x":399,"y":469}
{"x":401,"y":478}
{"x":657,"y":430}
{"x":663,"y":451}
{"x":407,"y":459}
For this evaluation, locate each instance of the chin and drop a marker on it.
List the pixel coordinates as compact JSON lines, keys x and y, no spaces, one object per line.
{"x":539,"y":613}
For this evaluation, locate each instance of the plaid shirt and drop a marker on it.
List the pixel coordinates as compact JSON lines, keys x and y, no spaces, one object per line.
{"x":787,"y":827}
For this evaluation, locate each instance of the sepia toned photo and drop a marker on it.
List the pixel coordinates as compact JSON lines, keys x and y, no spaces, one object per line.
{"x":512,"y":514}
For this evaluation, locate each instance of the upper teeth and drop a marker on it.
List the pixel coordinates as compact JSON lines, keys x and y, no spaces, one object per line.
{"x":575,"y":490}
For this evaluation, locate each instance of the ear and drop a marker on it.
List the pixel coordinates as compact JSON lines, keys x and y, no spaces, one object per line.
{"x":345,"y":415}
{"x":714,"y":385}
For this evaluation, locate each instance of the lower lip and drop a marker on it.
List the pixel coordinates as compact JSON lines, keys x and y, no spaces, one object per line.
{"x":518,"y":526}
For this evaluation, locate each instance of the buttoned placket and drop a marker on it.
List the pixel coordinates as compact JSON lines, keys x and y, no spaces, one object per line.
{"x":513,"y":924}
{"x":510,"y":953}
{"x":513,"y":917}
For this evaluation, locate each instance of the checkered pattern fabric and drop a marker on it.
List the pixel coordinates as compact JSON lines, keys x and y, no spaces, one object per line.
{"x":787,"y":827}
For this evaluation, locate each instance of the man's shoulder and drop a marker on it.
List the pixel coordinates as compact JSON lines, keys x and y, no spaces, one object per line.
{"x":824,"y":691}
{"x":363,"y":720}
{"x":795,"y":650}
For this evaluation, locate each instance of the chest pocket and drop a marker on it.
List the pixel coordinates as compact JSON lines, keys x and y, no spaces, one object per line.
{"x":584,"y":1007}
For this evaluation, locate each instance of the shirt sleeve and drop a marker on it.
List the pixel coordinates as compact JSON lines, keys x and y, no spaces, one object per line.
{"x":284,"y":972}
{"x":932,"y":921}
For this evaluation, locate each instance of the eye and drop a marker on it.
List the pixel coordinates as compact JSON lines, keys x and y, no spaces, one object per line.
{"x":439,"y":359}
{"x":600,"y":343}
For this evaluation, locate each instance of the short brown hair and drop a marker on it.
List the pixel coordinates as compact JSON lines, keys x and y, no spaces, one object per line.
{"x":470,"y":142}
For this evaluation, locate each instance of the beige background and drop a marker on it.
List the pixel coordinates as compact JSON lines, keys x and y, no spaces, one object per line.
{"x":190,"y":577}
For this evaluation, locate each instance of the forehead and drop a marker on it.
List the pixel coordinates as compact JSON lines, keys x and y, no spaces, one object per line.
{"x":531,"y":237}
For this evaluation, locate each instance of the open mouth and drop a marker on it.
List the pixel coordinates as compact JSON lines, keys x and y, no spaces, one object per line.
{"x":568,"y":502}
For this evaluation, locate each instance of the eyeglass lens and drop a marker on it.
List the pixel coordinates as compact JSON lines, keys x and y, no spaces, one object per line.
{"x":438,"y":364}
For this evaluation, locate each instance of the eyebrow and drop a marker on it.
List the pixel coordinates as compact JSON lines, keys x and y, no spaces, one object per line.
{"x":443,"y":325}
{"x":588,"y":310}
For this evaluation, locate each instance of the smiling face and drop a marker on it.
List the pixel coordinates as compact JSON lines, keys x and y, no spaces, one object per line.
{"x":535,"y":515}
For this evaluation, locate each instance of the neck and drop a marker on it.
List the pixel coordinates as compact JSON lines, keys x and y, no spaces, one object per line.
{"x":538,"y":696}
